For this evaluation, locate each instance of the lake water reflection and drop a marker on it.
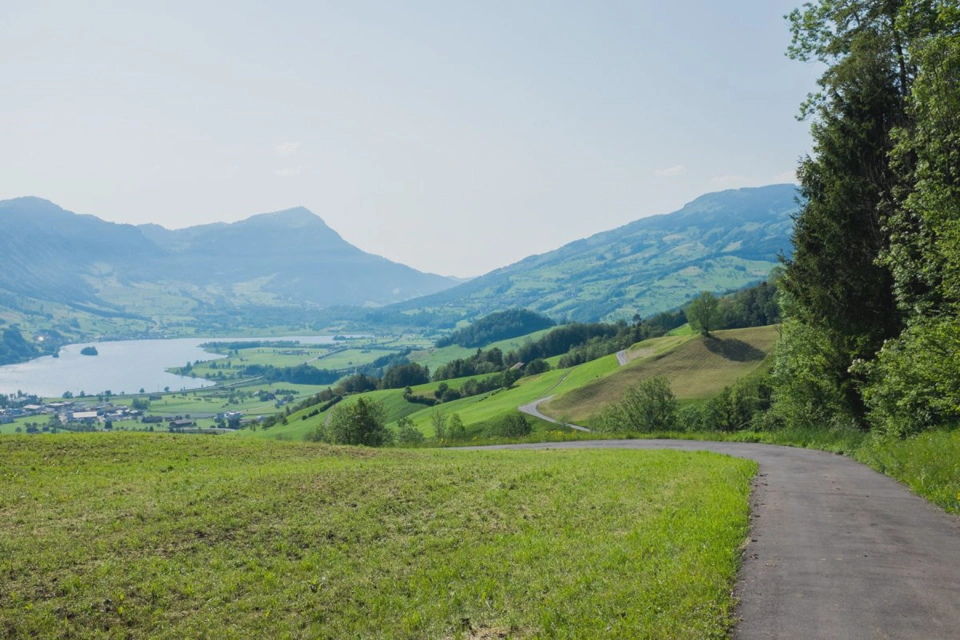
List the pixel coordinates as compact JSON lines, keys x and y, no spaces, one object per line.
{"x":121,"y":367}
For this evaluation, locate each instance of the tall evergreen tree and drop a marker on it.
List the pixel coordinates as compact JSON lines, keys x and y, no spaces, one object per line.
{"x":834,"y":282}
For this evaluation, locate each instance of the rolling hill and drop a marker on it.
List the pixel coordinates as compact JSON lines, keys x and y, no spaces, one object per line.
{"x":718,"y":242}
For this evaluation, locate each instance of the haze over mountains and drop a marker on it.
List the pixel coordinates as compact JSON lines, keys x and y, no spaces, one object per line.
{"x":287,"y":257}
{"x":282,"y":268}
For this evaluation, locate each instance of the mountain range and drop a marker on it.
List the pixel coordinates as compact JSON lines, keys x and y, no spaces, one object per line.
{"x":287,"y":257}
{"x":719,"y":242}
{"x":80,"y":275}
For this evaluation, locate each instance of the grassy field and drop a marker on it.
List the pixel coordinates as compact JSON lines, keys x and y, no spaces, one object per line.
{"x":697,"y":368}
{"x":173,"y":537}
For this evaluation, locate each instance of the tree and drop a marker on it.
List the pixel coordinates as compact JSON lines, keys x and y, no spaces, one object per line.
{"x":837,"y":282}
{"x":536,"y":367}
{"x":648,"y":407}
{"x":913,"y":385}
{"x":361,"y":423}
{"x":455,"y":428}
{"x":405,"y":375}
{"x":703,"y":313}
{"x":407,"y":433}
{"x":439,"y":421}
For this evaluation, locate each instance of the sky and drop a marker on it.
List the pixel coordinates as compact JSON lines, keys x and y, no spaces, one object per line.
{"x":456,"y":137}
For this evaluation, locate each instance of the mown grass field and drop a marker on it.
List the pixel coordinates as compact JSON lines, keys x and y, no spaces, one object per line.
{"x":696,"y":367}
{"x":131,"y":535}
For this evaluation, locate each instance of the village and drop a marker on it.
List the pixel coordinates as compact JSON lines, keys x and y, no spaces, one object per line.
{"x":95,"y":413}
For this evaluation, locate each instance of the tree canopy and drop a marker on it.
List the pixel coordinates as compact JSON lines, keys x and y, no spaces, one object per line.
{"x":871,"y":290}
{"x":501,"y":325}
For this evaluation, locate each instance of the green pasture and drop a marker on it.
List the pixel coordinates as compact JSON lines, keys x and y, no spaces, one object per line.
{"x":696,"y":367}
{"x":166,"y":536}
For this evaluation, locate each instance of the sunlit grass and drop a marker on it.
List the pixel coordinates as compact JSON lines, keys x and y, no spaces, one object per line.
{"x":117,"y":535}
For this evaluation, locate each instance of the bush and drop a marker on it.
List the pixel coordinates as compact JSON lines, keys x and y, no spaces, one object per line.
{"x":648,"y":407}
{"x":455,"y":428}
{"x":407,"y":433}
{"x":514,"y":425}
{"x":807,"y":391}
{"x":362,"y":423}
{"x":914,"y":384}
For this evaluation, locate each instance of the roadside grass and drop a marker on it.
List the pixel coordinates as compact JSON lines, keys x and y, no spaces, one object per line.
{"x":179,"y":536}
{"x":928,"y":463}
{"x":696,"y":367}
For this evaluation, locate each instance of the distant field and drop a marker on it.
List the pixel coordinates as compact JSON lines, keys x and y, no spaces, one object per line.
{"x":180,"y":536}
{"x":433,"y":357}
{"x":696,"y":367}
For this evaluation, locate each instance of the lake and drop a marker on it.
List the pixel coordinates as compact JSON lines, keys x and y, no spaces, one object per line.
{"x":122,"y":367}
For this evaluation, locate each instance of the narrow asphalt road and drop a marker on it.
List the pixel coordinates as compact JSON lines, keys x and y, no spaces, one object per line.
{"x":533,"y":409}
{"x":836,"y":550}
{"x":622,"y":357}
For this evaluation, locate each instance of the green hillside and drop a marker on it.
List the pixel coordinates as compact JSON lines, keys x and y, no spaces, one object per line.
{"x":718,"y":242}
{"x":697,"y":367}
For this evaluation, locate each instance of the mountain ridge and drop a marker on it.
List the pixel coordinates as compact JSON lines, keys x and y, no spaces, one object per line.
{"x":718,"y":241}
{"x":281,"y":257}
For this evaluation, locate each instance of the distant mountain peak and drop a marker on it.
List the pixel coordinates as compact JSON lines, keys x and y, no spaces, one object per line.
{"x":295,"y":217}
{"x":30,"y":203}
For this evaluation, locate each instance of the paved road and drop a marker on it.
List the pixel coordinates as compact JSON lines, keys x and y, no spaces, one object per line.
{"x":533,"y":409}
{"x":622,"y":357}
{"x":836,"y":550}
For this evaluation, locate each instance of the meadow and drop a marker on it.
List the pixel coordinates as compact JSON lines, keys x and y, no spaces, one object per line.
{"x":137,"y":535}
{"x":696,"y":367}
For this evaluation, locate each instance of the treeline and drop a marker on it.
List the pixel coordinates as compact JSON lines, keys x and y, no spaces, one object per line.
{"x":756,"y":306}
{"x":582,"y":342}
{"x":623,"y":336}
{"x":14,"y":348}
{"x":501,"y":325}
{"x":300,"y":374}
{"x":871,"y":294}
{"x":220,"y":347}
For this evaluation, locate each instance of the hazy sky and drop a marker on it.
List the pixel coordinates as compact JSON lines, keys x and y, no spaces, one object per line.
{"x":453,"y":136}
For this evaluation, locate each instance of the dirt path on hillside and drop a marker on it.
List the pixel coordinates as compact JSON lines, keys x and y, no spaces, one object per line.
{"x":836,"y":550}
